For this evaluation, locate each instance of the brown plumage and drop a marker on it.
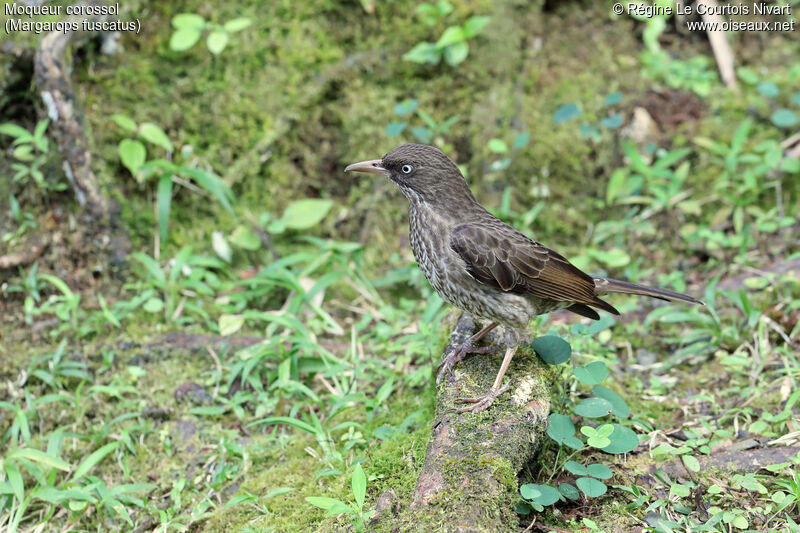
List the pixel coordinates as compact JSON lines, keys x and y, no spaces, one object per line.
{"x":481,"y":264}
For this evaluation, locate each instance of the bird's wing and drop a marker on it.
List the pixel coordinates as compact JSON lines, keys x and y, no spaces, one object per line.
{"x":500,"y":256}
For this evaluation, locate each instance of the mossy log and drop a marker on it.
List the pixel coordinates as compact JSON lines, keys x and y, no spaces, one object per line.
{"x":68,"y":126}
{"x":468,"y":482}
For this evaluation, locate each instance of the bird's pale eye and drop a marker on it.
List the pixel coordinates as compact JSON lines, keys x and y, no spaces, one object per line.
{"x":407,"y":169}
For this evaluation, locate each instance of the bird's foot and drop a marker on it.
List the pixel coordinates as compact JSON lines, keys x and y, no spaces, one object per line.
{"x":482,"y":402}
{"x":457,"y":354}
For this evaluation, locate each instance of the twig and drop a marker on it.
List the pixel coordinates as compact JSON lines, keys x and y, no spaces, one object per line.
{"x":719,"y":44}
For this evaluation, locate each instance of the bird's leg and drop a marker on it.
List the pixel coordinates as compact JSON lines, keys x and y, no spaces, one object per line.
{"x":458,"y":353}
{"x":482,"y":402}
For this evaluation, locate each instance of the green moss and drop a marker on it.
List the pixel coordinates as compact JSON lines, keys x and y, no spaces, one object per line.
{"x":391,"y":464}
{"x":307,"y":89}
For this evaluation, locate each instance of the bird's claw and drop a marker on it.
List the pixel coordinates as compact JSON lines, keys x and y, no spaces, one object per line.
{"x":449,"y":361}
{"x":457,"y":354}
{"x":482,"y":402}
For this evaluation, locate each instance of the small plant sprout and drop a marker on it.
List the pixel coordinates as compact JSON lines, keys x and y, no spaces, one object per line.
{"x":337,"y":507}
{"x":189,"y":27}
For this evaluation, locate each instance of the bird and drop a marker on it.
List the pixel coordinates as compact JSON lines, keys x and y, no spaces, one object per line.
{"x":481,"y":265}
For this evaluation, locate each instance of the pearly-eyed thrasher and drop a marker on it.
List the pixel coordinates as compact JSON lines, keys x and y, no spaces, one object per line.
{"x":482,"y":265}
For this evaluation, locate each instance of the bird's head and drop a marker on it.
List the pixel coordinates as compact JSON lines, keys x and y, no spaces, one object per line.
{"x":422,"y":172}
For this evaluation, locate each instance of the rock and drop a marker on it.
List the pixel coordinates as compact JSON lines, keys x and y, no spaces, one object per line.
{"x":193,"y":393}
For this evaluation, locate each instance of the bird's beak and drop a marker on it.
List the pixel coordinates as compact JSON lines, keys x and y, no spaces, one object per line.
{"x":371,"y":167}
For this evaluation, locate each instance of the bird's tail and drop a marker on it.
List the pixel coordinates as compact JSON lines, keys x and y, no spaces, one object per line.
{"x":607,"y":285}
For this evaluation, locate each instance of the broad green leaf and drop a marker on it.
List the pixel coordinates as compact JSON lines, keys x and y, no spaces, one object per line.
{"x":359,"y":485}
{"x":747,"y":75}
{"x":550,"y":495}
{"x":523,"y":508}
{"x":452,"y":35}
{"x":560,"y":427}
{"x":306,"y":213}
{"x":623,"y":440}
{"x":768,"y":89}
{"x":593,"y":407}
{"x":599,"y":470}
{"x":521,"y":140}
{"x":279,"y":491}
{"x":124,"y":122}
{"x":566,"y":112}
{"x":547,"y":495}
{"x":405,"y":107}
{"x":38,"y":134}
{"x":612,"y":122}
{"x":188,"y":20}
{"x":498,"y":146}
{"x":691,"y":462}
{"x":154,"y":134}
{"x":184,"y":38}
{"x":456,"y":53}
{"x":591,"y":487}
{"x":164,"y":202}
{"x":500,"y":164}
{"x":237,"y":24}
{"x":569,"y":491}
{"x":423,"y":135}
{"x":340,"y":508}
{"x":680,"y":490}
{"x":153,"y":305}
{"x":23,"y":153}
{"x":444,"y":7}
{"x":216,"y":41}
{"x":614,"y":257}
{"x":15,"y":131}
{"x":618,"y":406}
{"x":576,"y":468}
{"x":790,"y":165}
{"x":784,"y":118}
{"x":230,"y":324}
{"x":605,"y":430}
{"x":93,"y":459}
{"x":530,"y":491}
{"x":393,"y":129}
{"x":133,"y":154}
{"x":322,"y":502}
{"x":740,"y":522}
{"x":613,"y":99}
{"x":552,"y":349}
{"x":424,"y":53}
{"x":591,"y":374}
{"x":243,"y":237}
{"x":475,"y":25}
